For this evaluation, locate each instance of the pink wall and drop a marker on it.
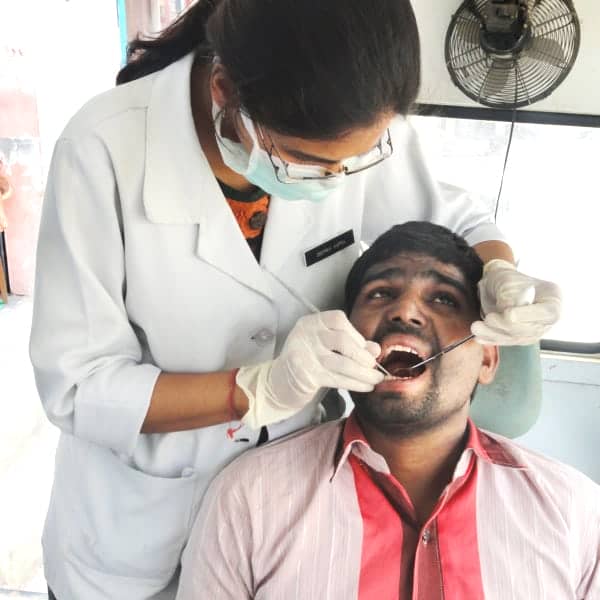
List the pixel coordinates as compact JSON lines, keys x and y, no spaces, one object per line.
{"x":20,"y":148}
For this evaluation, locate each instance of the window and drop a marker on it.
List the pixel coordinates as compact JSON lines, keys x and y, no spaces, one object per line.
{"x":148,"y":17}
{"x":549,"y":206}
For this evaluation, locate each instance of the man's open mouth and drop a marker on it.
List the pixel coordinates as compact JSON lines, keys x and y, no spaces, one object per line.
{"x":400,"y":360}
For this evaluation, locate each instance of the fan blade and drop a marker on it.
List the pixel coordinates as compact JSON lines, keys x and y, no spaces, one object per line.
{"x":496,"y":78}
{"x":467,"y":35}
{"x":466,"y":40}
{"x":547,"y":50}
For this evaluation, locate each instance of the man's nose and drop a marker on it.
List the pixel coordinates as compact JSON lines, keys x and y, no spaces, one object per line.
{"x":407,"y":310}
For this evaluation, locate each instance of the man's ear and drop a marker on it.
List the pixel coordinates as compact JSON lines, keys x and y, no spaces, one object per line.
{"x":489,"y":364}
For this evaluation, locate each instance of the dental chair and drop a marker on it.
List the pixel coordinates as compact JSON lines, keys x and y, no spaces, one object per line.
{"x":511,"y":404}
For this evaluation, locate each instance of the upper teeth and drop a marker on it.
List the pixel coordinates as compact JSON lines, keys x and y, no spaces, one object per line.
{"x":398,"y":348}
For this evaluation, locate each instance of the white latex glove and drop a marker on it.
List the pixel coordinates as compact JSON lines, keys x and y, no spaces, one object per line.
{"x":322,"y":350}
{"x":517,"y":309}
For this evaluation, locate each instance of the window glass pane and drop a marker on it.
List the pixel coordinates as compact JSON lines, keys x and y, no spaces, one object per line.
{"x":550,"y":203}
{"x":149,"y":17}
{"x":466,"y":153}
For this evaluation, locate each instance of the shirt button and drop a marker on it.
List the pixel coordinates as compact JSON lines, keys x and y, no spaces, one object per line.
{"x":426,"y":537}
{"x":263,"y":336}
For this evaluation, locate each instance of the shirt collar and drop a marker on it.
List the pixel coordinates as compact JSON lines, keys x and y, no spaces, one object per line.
{"x":479,"y":443}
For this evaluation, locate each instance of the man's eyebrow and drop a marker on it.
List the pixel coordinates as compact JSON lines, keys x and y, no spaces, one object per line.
{"x":451,"y":281}
{"x":396,"y":272}
{"x":391,"y":273}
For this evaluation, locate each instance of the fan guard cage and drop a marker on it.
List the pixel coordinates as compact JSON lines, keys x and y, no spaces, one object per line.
{"x":523,"y":77}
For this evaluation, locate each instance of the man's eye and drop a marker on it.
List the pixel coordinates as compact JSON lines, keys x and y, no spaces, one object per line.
{"x":379,"y":294}
{"x":445,"y":298}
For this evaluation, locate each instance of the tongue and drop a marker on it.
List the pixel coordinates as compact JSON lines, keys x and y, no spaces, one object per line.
{"x":399,"y":364}
{"x":403,"y":373}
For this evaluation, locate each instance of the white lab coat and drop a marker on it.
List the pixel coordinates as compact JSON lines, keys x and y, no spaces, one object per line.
{"x":142,"y":268}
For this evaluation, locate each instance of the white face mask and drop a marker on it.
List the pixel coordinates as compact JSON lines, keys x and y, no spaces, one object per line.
{"x":257,"y":168}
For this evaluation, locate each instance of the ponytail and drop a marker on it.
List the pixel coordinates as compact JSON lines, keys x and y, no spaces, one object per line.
{"x":185,"y":34}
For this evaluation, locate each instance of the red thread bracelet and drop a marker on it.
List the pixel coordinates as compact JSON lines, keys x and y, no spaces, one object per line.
{"x":233,"y":415}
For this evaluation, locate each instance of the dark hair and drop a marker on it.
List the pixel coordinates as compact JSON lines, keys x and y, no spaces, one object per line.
{"x":309,"y":68}
{"x":422,"y":238}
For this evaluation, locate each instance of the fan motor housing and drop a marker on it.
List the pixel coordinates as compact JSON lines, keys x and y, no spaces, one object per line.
{"x":506,"y":29}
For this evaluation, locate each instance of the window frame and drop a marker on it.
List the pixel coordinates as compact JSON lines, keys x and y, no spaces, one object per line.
{"x":478,"y":113}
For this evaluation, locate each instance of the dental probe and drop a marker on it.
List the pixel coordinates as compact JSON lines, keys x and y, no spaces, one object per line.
{"x":444,"y":350}
{"x":313,"y":309}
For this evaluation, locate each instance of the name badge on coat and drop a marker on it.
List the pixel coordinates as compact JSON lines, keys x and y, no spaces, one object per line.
{"x":326,"y":249}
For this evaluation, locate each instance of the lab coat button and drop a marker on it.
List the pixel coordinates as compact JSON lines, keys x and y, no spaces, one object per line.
{"x":188,"y":472}
{"x":263,"y":336}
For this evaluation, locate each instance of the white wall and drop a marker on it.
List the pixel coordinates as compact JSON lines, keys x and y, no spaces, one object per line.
{"x":579,"y":92}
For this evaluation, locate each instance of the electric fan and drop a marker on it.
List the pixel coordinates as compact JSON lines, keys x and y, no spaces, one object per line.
{"x":508,"y":54}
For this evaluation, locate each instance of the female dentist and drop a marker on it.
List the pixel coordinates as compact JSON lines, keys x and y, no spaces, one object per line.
{"x":191,"y":216}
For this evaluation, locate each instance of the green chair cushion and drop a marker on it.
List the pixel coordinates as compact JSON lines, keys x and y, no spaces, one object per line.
{"x":511,"y":404}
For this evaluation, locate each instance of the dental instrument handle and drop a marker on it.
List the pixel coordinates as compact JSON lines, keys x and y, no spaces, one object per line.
{"x":382,"y":369}
{"x":456,"y":344}
{"x":444,"y":350}
{"x":313,"y":309}
{"x":527,"y":297}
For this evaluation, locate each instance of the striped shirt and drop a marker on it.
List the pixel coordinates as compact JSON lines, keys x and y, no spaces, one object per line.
{"x":319,"y":516}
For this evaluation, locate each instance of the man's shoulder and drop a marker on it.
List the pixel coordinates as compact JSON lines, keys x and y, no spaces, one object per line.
{"x":306,"y":445}
{"x":558,"y":478}
{"x":304,"y":454}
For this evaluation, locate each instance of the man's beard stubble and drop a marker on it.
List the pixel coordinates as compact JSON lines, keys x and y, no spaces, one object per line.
{"x":394,"y":412}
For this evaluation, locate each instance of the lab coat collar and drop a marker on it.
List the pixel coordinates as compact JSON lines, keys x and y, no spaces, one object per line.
{"x":180,"y":188}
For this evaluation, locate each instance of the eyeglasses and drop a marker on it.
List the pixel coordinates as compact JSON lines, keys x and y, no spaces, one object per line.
{"x":287,"y":172}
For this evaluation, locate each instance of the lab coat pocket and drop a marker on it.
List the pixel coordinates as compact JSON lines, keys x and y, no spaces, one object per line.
{"x":129,"y":523}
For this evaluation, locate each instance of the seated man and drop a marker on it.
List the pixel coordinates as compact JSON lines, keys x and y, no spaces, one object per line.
{"x":406,"y":498}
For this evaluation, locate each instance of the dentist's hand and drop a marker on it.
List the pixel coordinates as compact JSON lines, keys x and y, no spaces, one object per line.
{"x":323,"y":350}
{"x":518,"y":310}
